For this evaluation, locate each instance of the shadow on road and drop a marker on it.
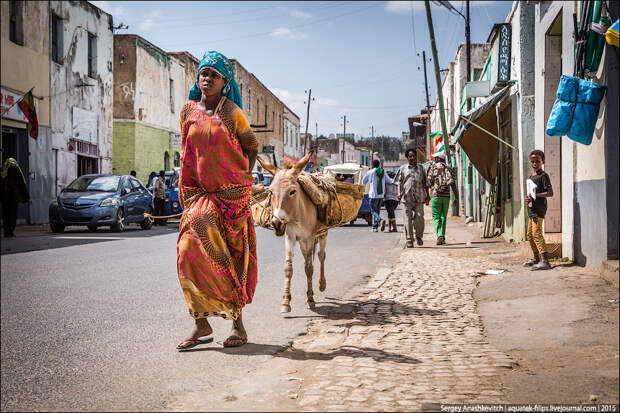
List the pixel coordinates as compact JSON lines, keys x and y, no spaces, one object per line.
{"x":256,"y":349}
{"x":33,"y":239}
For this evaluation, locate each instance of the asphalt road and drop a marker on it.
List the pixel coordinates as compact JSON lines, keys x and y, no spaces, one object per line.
{"x":94,"y":325}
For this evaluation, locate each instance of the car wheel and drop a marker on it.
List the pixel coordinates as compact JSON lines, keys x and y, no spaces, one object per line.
{"x":353,"y":222}
{"x":57,"y":228}
{"x":92,"y":228}
{"x":119,"y":225}
{"x":368,"y":219}
{"x":147,"y":223}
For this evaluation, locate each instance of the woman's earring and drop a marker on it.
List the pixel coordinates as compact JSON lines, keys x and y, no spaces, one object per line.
{"x":226,"y":89}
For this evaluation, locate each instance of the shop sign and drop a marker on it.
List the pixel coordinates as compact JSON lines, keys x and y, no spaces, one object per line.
{"x":9,"y":107}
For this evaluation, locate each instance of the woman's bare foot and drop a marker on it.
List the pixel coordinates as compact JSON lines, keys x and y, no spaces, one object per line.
{"x":202,"y":328}
{"x":238,"y":335}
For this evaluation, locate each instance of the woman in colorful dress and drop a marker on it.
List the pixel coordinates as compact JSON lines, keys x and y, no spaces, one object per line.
{"x":216,"y":248}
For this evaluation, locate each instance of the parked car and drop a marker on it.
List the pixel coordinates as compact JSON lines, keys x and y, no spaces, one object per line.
{"x":101,"y":200}
{"x":353,"y":173}
{"x":264,"y":178}
{"x":172,"y":205}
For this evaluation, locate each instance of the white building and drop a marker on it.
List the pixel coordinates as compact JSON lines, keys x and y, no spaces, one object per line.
{"x":81,"y":89}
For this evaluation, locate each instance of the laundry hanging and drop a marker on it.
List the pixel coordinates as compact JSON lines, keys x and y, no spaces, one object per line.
{"x":576,"y":109}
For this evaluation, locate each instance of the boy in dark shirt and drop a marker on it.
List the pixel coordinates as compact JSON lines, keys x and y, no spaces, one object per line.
{"x":536,"y":211}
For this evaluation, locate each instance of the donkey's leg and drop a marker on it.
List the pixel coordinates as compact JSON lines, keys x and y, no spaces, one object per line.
{"x":322,"y":245}
{"x":307,"y":249}
{"x":289,"y":246}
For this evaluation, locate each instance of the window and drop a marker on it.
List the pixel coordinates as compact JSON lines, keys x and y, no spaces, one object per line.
{"x":136,"y":187}
{"x":127,"y":186}
{"x":265,"y":115}
{"x":250,"y":102}
{"x":57,"y":46}
{"x":92,"y":55}
{"x":273,"y":119}
{"x":166,"y":161}
{"x":241,"y":90}
{"x":171,"y":96}
{"x":177,"y":159}
{"x":16,"y":22}
{"x":87,"y":165}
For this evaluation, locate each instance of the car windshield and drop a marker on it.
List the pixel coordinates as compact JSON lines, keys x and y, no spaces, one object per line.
{"x":268,"y":179}
{"x":94,"y":183}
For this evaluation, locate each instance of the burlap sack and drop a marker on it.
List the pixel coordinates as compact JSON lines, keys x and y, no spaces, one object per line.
{"x":260,"y":204}
{"x":337,"y":202}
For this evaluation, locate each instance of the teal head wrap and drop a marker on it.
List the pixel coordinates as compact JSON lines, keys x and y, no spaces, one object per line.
{"x":222,"y":65}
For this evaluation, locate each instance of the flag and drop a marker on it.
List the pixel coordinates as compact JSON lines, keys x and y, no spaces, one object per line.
{"x":438,"y":145}
{"x":26,"y":104}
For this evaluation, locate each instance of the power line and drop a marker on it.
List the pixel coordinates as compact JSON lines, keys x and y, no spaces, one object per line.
{"x":293,"y":27}
{"x":327,"y":5}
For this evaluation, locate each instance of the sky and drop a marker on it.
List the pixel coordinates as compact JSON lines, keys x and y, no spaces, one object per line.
{"x":362,"y":59}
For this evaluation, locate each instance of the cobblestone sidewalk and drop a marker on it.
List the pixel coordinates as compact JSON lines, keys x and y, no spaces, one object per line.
{"x":415,"y":339}
{"x":411,"y":337}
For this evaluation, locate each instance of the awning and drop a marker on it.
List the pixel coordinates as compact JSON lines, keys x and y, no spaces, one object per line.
{"x":480,"y":147}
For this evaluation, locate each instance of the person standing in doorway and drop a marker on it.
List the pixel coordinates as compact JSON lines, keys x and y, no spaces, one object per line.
{"x":159,"y":197}
{"x":440,"y":181}
{"x":536,"y":210}
{"x":377,"y":178}
{"x":413,"y":183}
{"x":133,"y":173}
{"x":14,"y":191}
{"x":392,"y":198}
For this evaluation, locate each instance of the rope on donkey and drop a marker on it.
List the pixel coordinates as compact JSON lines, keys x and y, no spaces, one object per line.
{"x":147,"y":215}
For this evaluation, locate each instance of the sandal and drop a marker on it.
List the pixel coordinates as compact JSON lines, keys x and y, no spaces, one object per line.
{"x":194,"y":342}
{"x":240,"y":341}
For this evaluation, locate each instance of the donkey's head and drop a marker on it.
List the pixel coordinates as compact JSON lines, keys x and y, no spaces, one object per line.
{"x":287,"y":200}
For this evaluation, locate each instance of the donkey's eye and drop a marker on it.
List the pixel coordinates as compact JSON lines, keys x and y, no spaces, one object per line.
{"x":292,"y":192}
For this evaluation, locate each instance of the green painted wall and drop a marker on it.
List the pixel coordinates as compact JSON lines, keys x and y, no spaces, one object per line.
{"x":141,"y":148}
{"x":123,"y":160}
{"x":151,"y":146}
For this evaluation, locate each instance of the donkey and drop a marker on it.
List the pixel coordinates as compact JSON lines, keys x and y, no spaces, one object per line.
{"x":295,"y":216}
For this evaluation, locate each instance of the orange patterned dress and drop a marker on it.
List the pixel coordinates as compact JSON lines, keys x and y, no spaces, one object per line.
{"x":216,"y":248}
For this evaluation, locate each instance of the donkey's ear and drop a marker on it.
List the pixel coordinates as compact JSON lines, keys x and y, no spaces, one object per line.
{"x":301,"y":164}
{"x":273,"y":170}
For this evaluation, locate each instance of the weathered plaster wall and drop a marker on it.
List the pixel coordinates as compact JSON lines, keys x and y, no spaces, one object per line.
{"x":23,"y":67}
{"x":124,"y":76}
{"x":73,"y":87}
{"x":27,"y":66}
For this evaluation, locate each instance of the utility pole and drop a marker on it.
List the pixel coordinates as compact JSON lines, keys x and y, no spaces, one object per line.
{"x":468,"y":49}
{"x":428,"y":104}
{"x":307,"y":120}
{"x":344,"y":134}
{"x":442,"y":114}
{"x":316,"y":131}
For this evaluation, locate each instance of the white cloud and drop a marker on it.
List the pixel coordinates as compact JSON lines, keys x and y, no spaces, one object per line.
{"x":296,"y":100}
{"x":147,"y":23}
{"x":287,"y":33}
{"x":109,"y":8}
{"x":300,"y":14}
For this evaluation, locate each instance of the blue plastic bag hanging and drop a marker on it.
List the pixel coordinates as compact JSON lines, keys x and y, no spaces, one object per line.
{"x":575,"y":110}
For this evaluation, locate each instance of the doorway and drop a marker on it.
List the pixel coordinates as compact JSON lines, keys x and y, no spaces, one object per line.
{"x":553,"y":144}
{"x":86,"y":165}
{"x":15,"y":145}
